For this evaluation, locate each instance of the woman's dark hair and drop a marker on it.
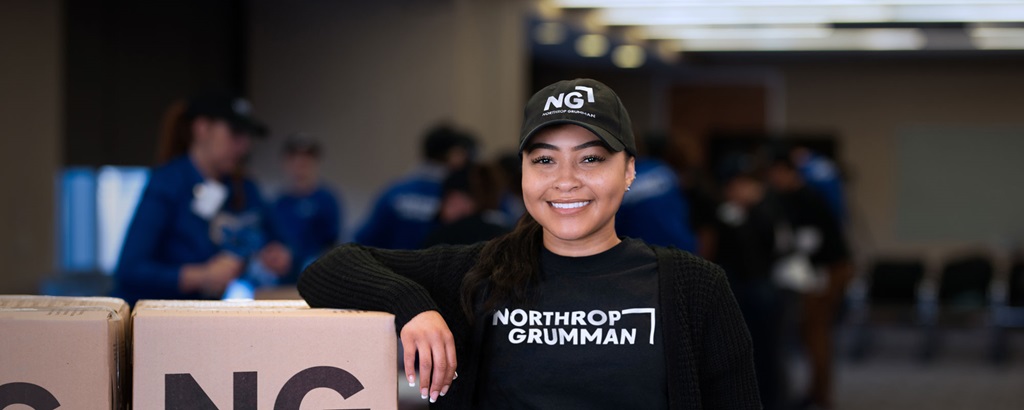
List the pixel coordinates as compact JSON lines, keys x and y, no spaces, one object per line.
{"x":175,"y":133}
{"x":508,"y":269}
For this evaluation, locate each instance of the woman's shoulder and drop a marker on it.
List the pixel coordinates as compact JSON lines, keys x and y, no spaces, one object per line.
{"x":686,"y":266}
{"x":173,"y":176}
{"x":444,"y":251}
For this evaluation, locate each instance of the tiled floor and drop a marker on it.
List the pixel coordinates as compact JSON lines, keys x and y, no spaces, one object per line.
{"x":960,"y":377}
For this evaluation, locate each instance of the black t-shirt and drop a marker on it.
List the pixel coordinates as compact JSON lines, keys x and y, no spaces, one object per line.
{"x":591,"y":339}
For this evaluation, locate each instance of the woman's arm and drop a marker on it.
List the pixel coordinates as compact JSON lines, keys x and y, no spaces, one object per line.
{"x":727,"y":378}
{"x":416,"y":286}
{"x":137,"y":269}
{"x":404,"y":283}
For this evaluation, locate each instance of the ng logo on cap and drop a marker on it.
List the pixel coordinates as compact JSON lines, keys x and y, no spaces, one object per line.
{"x":572,"y":100}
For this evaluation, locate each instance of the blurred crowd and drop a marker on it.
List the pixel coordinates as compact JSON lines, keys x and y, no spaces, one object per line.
{"x":773,"y":218}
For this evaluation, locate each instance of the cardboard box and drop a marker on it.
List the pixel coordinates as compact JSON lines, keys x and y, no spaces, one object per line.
{"x":261,"y":355}
{"x":61,"y":351}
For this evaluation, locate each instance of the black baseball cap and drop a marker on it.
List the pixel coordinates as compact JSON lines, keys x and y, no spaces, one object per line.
{"x":301,"y":143}
{"x":236,"y":111}
{"x":584,"y":102}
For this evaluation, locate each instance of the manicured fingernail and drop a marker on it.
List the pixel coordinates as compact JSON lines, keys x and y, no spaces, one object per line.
{"x":456,"y":376}
{"x":444,"y":390}
{"x":433,"y":397}
{"x":423,"y":394}
{"x":412,"y":381}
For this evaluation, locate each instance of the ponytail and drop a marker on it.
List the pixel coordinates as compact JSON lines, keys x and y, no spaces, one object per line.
{"x":175,"y":133}
{"x":507,"y":271}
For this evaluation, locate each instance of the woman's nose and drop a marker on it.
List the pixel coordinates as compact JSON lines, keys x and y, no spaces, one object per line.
{"x":567,"y":180}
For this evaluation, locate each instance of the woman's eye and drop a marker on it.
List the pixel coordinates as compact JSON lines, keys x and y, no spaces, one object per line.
{"x":592,"y":159}
{"x":542,"y":160}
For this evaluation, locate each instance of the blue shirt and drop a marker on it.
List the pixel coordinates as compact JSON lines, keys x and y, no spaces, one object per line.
{"x":406,"y":212}
{"x":165,"y":234}
{"x":821,"y":175}
{"x":310,"y":224}
{"x":654,"y":209}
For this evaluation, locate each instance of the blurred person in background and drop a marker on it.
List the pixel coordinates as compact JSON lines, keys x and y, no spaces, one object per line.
{"x":406,"y":211}
{"x":470,"y":208}
{"x":745,"y":248}
{"x":199,"y":224}
{"x":815,"y":262}
{"x":308,"y":212}
{"x":512,"y":197}
{"x":655,"y":209}
{"x":821,"y":174}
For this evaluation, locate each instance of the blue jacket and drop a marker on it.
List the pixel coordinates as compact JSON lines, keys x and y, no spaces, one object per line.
{"x":654,"y":209}
{"x":310,"y":225}
{"x":405,"y":213}
{"x":165,"y":234}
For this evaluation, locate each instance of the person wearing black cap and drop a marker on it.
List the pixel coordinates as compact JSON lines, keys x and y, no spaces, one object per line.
{"x":560,"y":313}
{"x":308,"y":212}
{"x":199,"y":220}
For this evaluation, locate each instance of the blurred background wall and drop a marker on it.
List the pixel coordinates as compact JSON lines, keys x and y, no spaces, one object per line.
{"x":31,"y":113}
{"x":868,"y":104}
{"x":368,"y":78}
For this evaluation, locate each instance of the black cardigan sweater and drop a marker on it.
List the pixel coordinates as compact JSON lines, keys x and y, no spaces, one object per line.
{"x":708,"y":352}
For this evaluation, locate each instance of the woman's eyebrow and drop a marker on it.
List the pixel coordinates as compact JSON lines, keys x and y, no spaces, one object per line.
{"x":585,"y":145}
{"x":540,"y":145}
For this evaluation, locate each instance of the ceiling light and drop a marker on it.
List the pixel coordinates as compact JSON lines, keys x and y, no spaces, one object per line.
{"x":998,"y":43}
{"x":628,"y":56}
{"x":549,"y":33}
{"x":592,"y":45}
{"x":997,"y":31}
{"x":997,"y":38}
{"x":759,"y":13}
{"x":840,"y":40}
{"x":726,"y":32}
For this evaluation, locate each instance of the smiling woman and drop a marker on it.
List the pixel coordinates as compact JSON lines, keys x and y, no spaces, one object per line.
{"x":572,"y":185}
{"x":561,"y":312}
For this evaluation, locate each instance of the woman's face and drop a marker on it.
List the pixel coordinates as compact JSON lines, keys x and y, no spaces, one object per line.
{"x":573,"y":185}
{"x":221,"y":146}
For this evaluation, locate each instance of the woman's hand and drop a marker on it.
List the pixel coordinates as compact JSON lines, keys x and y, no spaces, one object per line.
{"x":212,"y":277}
{"x":428,"y":335}
{"x":276,"y":257}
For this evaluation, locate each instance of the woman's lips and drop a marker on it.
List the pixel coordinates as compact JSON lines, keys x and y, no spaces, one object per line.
{"x":568,"y":207}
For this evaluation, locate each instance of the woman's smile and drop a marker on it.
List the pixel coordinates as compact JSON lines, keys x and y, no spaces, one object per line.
{"x":568,"y":207}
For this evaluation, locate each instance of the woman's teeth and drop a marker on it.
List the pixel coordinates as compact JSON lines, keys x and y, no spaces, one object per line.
{"x":571,"y":205}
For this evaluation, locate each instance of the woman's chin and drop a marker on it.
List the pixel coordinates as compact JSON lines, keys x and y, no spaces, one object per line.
{"x":569,"y":234}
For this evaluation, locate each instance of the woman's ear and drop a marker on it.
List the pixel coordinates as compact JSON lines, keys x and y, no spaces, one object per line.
{"x":630,"y":170}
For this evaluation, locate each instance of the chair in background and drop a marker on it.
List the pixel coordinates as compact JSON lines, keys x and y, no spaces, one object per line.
{"x":885,"y":293}
{"x":1007,"y":309}
{"x":960,"y":298}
